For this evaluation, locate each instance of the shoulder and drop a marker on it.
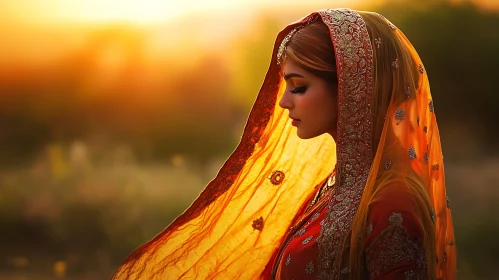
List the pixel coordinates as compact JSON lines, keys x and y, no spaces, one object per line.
{"x":395,"y":205}
{"x":394,"y":233}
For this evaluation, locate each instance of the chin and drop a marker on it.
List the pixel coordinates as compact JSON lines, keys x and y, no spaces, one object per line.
{"x":305,"y":136}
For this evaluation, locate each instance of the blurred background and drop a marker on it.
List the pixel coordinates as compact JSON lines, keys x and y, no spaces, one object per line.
{"x":115,"y":114}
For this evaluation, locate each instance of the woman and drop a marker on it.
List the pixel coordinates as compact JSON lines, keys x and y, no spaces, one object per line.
{"x":370,"y":204}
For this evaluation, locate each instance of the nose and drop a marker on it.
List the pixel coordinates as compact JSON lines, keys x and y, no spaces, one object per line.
{"x":285,"y":101}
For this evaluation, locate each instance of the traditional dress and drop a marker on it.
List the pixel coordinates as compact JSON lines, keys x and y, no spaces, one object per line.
{"x":272,"y":212}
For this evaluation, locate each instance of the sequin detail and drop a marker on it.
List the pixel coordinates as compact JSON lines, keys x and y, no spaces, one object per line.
{"x":426,"y":157}
{"x":432,"y":216}
{"x":377,"y":42}
{"x":288,"y":260}
{"x":421,"y":69}
{"x":277,"y":177}
{"x":409,"y":275}
{"x":412,"y":153}
{"x":258,"y":224}
{"x":396,"y":219}
{"x":395,"y":64}
{"x":284,"y":44}
{"x":301,"y":232}
{"x":309,"y":269}
{"x":447,"y":202}
{"x":354,"y":60}
{"x":408,"y":92}
{"x":307,"y":240}
{"x":394,"y":246}
{"x":430,"y":106}
{"x":388,"y":164}
{"x":400,"y":114}
{"x":435,"y":167}
{"x":315,"y":216}
{"x":345,"y":270}
{"x":369,"y":229}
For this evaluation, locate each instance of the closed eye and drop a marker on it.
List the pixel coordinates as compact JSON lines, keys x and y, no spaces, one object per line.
{"x":301,"y":89}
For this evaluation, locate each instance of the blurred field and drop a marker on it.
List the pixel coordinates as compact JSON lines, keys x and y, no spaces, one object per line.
{"x":109,"y":130}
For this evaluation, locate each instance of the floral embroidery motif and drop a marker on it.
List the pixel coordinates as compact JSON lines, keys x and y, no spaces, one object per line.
{"x":315,"y":216}
{"x":277,"y":177}
{"x":395,"y":64}
{"x":432,"y":215}
{"x":354,"y":58}
{"x":388,"y":164}
{"x":288,"y":260}
{"x":393,"y":246}
{"x":421,"y":69}
{"x":284,"y":43}
{"x":307,"y":240}
{"x":412,"y":153}
{"x":430,"y":106}
{"x":409,"y":275}
{"x":301,"y":232}
{"x":309,"y":269}
{"x":408,"y":92}
{"x":258,"y":224}
{"x":435,"y":167}
{"x":396,"y":219}
{"x":369,"y":229}
{"x":400,"y":114}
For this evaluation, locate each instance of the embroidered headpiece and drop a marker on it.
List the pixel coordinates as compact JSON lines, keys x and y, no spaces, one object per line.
{"x":284,"y":44}
{"x":281,"y":52}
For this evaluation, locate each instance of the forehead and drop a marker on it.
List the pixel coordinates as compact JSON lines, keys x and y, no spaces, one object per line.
{"x":289,"y":66}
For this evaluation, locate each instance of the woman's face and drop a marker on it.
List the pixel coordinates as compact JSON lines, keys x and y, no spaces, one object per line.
{"x":311,"y":101}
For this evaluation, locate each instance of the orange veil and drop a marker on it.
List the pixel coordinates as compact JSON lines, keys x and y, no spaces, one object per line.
{"x":236,"y":225}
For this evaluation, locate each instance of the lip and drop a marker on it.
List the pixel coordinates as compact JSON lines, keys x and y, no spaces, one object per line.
{"x":295,"y":122}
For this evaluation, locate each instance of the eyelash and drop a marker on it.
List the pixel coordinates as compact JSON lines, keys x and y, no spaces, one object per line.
{"x":301,"y":89}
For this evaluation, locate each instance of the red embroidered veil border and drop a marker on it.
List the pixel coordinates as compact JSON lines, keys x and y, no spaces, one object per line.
{"x":240,"y":219}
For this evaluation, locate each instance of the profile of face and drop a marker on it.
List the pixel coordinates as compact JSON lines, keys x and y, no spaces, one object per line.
{"x":311,"y":101}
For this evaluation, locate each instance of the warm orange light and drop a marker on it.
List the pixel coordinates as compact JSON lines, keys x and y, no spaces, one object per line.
{"x":105,"y":11}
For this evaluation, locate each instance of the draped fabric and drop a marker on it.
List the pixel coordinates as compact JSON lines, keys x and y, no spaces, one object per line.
{"x":237,"y":226}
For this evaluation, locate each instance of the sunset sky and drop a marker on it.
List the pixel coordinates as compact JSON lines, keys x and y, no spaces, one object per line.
{"x":139,"y":11}
{"x":153,"y":11}
{"x":38,"y":30}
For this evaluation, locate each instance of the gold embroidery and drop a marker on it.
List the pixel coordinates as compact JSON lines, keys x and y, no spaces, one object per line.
{"x":412,"y":153}
{"x":307,"y":240}
{"x":277,"y":177}
{"x":309,"y":269}
{"x":258,"y":224}
{"x":354,"y":58}
{"x":393,"y":246}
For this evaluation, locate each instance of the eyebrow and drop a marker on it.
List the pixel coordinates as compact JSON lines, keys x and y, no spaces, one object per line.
{"x":292,"y":75}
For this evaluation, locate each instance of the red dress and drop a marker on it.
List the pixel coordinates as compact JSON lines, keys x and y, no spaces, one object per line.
{"x":393,"y":248}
